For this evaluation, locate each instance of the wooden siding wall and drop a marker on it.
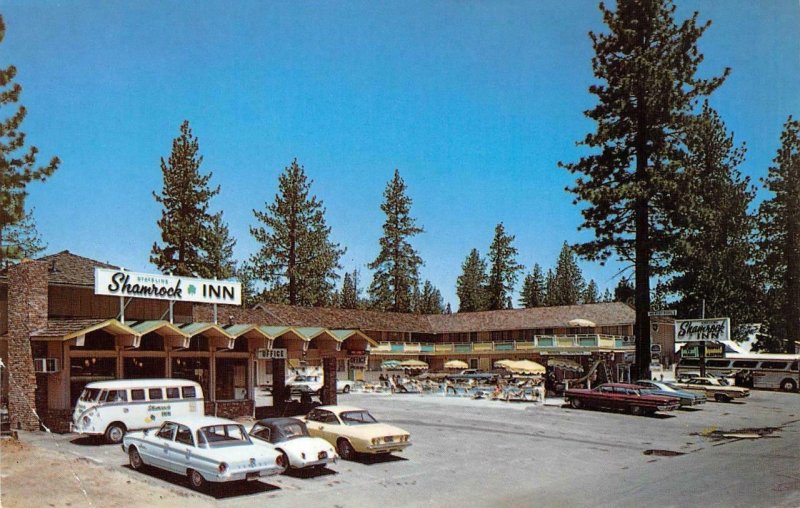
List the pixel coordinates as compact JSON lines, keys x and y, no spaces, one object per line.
{"x":71,"y":302}
{"x":3,"y":309}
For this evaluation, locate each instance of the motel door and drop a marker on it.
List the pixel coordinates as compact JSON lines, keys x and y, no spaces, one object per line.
{"x":624,"y":373}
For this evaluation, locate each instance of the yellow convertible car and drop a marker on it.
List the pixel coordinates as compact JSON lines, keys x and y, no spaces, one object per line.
{"x":353,"y":430}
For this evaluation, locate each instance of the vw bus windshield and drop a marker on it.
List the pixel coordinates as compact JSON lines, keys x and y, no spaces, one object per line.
{"x":90,"y":394}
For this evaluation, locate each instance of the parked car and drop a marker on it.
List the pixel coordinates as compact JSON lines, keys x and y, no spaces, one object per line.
{"x":205,"y":449}
{"x":714,"y":388}
{"x":344,"y":385}
{"x":290,"y":437}
{"x":660,"y":388}
{"x":626,"y":397}
{"x":305,"y":383}
{"x":354,"y":430}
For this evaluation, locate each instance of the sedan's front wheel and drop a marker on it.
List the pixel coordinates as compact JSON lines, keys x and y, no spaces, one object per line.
{"x":345,"y":449}
{"x":346,"y":389}
{"x":721,"y":397}
{"x":575,"y":403}
{"x":135,"y":459}
{"x":196,"y":480}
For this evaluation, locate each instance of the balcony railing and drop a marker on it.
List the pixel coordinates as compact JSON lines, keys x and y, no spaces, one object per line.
{"x":539,"y":343}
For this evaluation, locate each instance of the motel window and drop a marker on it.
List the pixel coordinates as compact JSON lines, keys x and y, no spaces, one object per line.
{"x":193,"y":369}
{"x":155,"y":393}
{"x":231,"y":379}
{"x":137,"y":394}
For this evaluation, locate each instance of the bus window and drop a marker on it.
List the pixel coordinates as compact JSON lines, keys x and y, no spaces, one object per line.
{"x":720,"y":364}
{"x":794,"y":366}
{"x":137,"y":394}
{"x":116,"y":396}
{"x":690,"y":362}
{"x":745,"y":364}
{"x":173,"y":392}
{"x":189,"y":392}
{"x":155,"y":393}
{"x":774,"y":365}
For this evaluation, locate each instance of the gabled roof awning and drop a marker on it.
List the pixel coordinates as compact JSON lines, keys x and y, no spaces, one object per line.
{"x":346,"y":335}
{"x":217,"y":335}
{"x":173,"y":335}
{"x":309,"y":332}
{"x":274,"y":332}
{"x":249,"y":332}
{"x":69,"y":329}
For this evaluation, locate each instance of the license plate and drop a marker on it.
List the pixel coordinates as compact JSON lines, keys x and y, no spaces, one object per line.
{"x":253,"y":476}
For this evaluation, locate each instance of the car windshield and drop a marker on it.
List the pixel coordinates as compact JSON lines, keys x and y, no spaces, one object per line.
{"x":305,"y":379}
{"x":357,"y":418}
{"x":216,"y":436}
{"x":90,"y":394}
{"x":293,"y":430}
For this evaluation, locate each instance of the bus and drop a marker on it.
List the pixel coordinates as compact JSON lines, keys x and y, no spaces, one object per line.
{"x":111,"y":408}
{"x":752,"y":370}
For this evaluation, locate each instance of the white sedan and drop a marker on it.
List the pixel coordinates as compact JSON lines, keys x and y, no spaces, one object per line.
{"x":205,"y":449}
{"x":290,"y":437}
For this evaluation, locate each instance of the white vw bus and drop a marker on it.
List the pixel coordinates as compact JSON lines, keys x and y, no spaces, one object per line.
{"x":111,"y":408}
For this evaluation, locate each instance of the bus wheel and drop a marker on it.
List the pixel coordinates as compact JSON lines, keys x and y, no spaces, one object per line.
{"x":789,"y":385}
{"x":115,"y":432}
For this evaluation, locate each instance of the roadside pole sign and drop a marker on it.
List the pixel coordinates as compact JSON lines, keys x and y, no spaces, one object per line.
{"x":663,"y":313}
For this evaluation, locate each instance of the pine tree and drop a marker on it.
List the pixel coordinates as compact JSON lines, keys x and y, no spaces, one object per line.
{"x":184,"y":219}
{"x":397,"y":265}
{"x":533,"y":289}
{"x":503,"y":269}
{"x":349,"y":296}
{"x":250,"y":295}
{"x":646,"y":64}
{"x":779,"y":239}
{"x":591,"y":293}
{"x":296,"y":260}
{"x":430,"y":300}
{"x":550,"y":292}
{"x":608,"y":296}
{"x":569,"y":284}
{"x":448,"y":309}
{"x":18,"y":236}
{"x":624,"y":291}
{"x":471,"y":284}
{"x":219,"y":249}
{"x":713,"y":259}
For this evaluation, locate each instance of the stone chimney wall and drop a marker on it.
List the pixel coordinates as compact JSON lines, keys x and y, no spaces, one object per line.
{"x":27,"y":312}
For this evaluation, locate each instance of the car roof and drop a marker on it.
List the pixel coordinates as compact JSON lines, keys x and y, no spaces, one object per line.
{"x":340,"y":409}
{"x":196,"y":422}
{"x":283,"y":420}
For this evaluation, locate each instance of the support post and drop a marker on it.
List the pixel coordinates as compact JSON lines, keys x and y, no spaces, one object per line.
{"x":329,"y":381}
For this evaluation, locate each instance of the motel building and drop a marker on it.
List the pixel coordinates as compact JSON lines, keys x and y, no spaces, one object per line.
{"x":66,"y":320}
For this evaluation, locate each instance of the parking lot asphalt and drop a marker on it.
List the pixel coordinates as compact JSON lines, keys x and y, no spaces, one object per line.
{"x":489,"y":453}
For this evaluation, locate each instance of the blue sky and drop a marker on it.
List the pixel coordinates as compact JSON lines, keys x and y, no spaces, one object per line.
{"x":474,"y":103}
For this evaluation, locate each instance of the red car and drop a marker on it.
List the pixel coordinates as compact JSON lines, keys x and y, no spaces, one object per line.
{"x":621,"y":396}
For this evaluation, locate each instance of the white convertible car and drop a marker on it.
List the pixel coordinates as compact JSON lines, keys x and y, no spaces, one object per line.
{"x":290,"y":437}
{"x":205,"y":449}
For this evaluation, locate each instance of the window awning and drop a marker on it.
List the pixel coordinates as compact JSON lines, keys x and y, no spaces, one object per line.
{"x":217,"y":336}
{"x":249,"y":332}
{"x":68,"y":329}
{"x":173,"y":336}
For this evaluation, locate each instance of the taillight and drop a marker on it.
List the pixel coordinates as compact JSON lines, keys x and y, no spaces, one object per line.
{"x":223,"y":466}
{"x":280,"y":461}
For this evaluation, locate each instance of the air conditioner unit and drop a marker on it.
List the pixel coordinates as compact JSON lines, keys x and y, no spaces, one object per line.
{"x":46,"y":365}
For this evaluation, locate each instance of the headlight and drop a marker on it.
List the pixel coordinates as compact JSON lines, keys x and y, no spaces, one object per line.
{"x":223,"y":466}
{"x":86,"y":420}
{"x":376,"y":440}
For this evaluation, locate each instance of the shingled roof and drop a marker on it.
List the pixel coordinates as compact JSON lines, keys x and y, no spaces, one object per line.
{"x":68,"y":268}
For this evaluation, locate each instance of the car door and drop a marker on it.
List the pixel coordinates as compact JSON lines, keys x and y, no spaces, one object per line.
{"x":183,"y":453}
{"x":161,"y":444}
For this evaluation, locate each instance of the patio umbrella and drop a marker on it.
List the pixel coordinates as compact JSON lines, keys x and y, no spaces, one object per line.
{"x":527,"y":367}
{"x":565,"y":364}
{"x":456,"y":364}
{"x":390,"y":364}
{"x":503,"y":363}
{"x":414,"y":364}
{"x":581,"y":323}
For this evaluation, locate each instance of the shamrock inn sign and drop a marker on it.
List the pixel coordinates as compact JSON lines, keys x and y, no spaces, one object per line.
{"x":122,"y":283}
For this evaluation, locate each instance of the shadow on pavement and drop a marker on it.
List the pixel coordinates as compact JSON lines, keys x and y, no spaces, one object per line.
{"x":309,"y":473}
{"x":222,"y":490}
{"x":370,"y":460}
{"x":89,"y":441}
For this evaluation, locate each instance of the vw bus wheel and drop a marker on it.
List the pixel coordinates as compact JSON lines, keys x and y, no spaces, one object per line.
{"x":135,"y":459}
{"x":345,"y":449}
{"x":196,"y":480}
{"x":115,"y":432}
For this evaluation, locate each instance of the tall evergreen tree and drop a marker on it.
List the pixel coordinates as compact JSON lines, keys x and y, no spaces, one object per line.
{"x":608,"y":296}
{"x":624,"y":291}
{"x":350,"y":298}
{"x":471,"y":284}
{"x":185,"y":219}
{"x":397,"y":265}
{"x":779,"y":239}
{"x":448,"y":309}
{"x":503,"y":269}
{"x":296,"y":260}
{"x":713,"y":259}
{"x":591,"y":293}
{"x":646,"y":64}
{"x":250,"y":295}
{"x":550,"y":292}
{"x":430,"y":300}
{"x":569,"y":283}
{"x":219,"y":249}
{"x":533,"y":289}
{"x":18,"y":168}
